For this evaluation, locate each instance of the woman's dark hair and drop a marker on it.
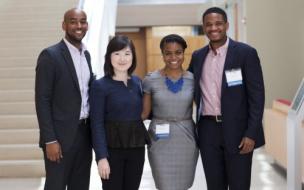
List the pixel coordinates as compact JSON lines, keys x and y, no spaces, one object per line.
{"x":215,"y":10}
{"x":118,"y":43}
{"x":171,"y":38}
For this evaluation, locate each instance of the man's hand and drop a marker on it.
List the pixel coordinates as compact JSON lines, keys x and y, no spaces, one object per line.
{"x":246,"y":145}
{"x":53,"y":152}
{"x":104,"y":168}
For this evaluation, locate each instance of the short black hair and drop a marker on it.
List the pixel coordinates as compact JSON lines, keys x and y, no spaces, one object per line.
{"x":171,"y":38}
{"x":215,"y":10}
{"x":118,"y":43}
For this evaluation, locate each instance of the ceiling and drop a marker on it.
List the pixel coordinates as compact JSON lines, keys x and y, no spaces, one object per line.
{"x":137,"y":13}
{"x":133,"y":2}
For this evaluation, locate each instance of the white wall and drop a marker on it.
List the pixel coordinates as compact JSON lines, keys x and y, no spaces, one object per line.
{"x":102,"y":21}
{"x":276,"y":29}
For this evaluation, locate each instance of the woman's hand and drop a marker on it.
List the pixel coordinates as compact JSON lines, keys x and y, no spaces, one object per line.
{"x":103,"y":168}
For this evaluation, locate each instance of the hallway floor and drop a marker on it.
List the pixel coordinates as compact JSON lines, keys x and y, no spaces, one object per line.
{"x":265,"y":176}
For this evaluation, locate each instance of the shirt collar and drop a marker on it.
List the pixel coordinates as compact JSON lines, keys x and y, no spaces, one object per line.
{"x":71,"y":47}
{"x":221,"y":50}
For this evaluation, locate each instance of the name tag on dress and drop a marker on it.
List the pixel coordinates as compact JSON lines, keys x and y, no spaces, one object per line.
{"x":234,"y":77}
{"x":162,"y":131}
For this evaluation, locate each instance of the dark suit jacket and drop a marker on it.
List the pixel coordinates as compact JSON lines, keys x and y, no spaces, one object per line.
{"x":242,"y":105}
{"x":57,"y":95}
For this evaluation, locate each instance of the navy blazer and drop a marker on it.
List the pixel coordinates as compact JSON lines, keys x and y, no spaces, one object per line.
{"x":57,"y":95}
{"x":242,"y":105}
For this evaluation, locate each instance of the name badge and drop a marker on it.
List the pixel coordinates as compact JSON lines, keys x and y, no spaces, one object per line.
{"x":162,"y":131}
{"x":234,"y":77}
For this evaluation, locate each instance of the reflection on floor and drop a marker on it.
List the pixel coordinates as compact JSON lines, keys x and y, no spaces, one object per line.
{"x":265,"y":176}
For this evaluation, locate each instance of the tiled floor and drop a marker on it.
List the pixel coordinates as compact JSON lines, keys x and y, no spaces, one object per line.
{"x":265,"y":176}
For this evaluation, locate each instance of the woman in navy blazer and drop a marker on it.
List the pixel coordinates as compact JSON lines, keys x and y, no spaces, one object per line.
{"x":118,"y":133}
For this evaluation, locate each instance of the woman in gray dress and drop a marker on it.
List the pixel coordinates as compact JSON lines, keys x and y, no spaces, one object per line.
{"x":168,"y":93}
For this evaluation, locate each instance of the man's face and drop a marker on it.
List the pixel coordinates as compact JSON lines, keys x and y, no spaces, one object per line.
{"x":215,"y":27}
{"x":75,"y":26}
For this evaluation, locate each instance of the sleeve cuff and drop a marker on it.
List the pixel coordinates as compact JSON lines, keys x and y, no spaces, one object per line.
{"x":50,"y":142}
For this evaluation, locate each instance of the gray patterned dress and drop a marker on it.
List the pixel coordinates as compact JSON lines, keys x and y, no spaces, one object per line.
{"x":173,"y":160}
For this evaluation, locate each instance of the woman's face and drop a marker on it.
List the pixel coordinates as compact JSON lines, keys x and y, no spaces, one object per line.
{"x":122,"y":60}
{"x":173,"y":55}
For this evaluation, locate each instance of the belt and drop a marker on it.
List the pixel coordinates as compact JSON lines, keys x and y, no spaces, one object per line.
{"x":171,"y":119}
{"x":84,"y":121}
{"x":216,"y":118}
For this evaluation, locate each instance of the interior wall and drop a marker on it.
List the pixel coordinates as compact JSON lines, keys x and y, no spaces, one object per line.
{"x":29,"y":27}
{"x":275,"y":28}
{"x":149,"y":57}
{"x":302,"y":46}
{"x":154,"y":56}
{"x":139,"y":41}
{"x":160,"y":14}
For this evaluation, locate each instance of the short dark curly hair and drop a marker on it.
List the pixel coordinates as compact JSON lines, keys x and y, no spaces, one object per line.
{"x":215,"y":10}
{"x":171,"y":38}
{"x":118,"y":43}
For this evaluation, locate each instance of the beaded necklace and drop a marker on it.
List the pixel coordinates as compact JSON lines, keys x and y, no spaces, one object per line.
{"x":174,"y":86}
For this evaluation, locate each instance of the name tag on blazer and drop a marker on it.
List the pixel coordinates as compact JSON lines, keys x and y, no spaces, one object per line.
{"x":234,"y":77}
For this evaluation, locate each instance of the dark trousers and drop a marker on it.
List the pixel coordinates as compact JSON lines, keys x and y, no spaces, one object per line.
{"x":222,"y":168}
{"x":126,"y":167}
{"x":73,"y":171}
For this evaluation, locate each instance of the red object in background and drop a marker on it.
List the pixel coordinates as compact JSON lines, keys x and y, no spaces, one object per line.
{"x":284,"y":101}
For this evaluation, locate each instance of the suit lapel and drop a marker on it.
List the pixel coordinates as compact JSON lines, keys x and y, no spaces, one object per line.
{"x":201,"y":56}
{"x":88,"y":57}
{"x":201,"y":61}
{"x":68,"y":60}
{"x":228,"y":63}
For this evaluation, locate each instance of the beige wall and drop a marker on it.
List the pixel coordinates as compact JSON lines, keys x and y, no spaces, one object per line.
{"x":147,"y":41}
{"x":26,"y":28}
{"x":139,"y":41}
{"x":276,"y":29}
{"x":302,"y":44}
{"x":154,"y":56}
{"x":29,"y":26}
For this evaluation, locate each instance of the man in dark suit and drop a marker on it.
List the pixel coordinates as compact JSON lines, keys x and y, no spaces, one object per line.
{"x":229,"y":94}
{"x":63,"y":76}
